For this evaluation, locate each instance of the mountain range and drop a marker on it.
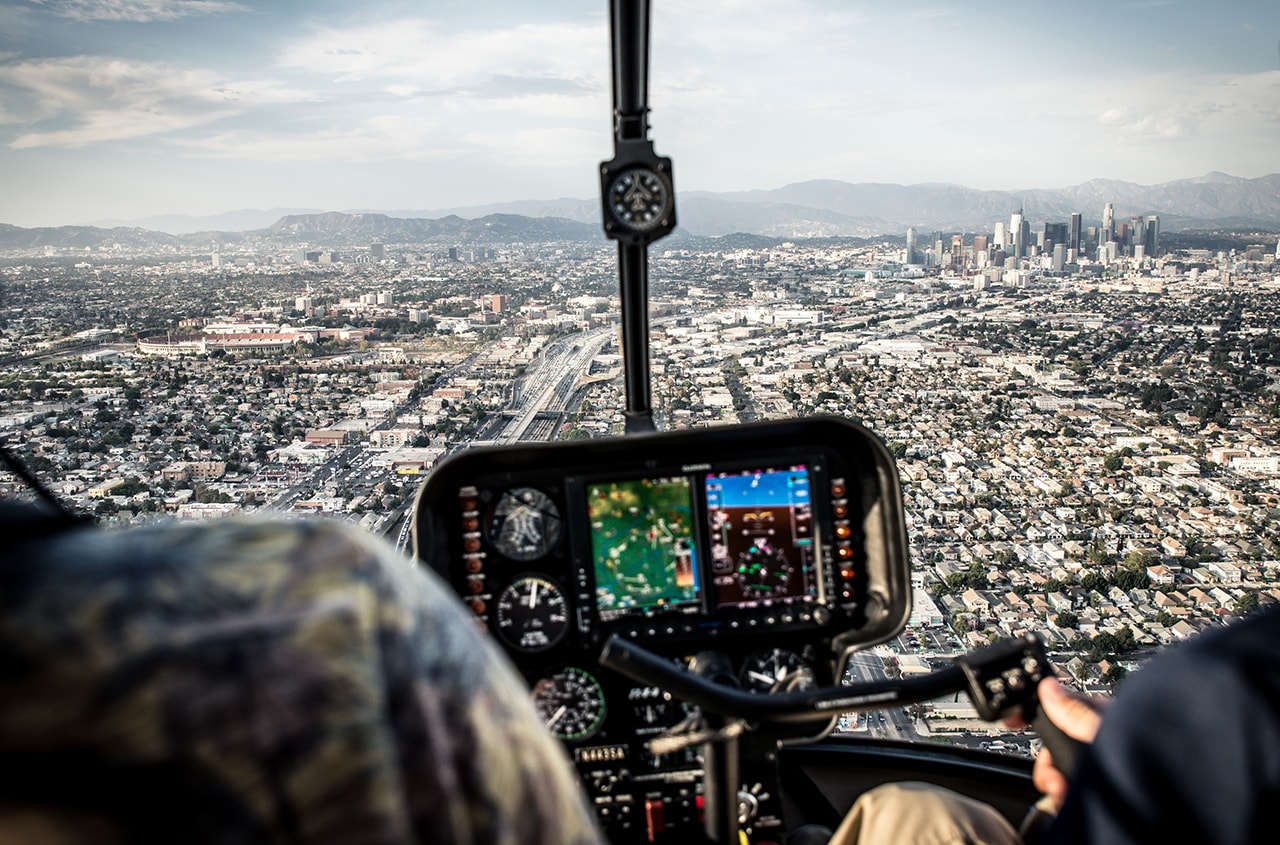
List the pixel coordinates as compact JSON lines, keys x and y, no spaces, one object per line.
{"x":830,"y":208}
{"x":819,"y":208}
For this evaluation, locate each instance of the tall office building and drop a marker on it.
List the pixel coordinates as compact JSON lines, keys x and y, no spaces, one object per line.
{"x":1151,"y":237}
{"x":1019,"y":230}
{"x":1001,"y":238}
{"x":1073,"y":237}
{"x":911,"y":246}
{"x":1054,"y":234}
{"x":1108,"y":231}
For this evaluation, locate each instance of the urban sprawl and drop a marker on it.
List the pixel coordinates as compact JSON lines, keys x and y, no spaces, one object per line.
{"x":1086,"y":419}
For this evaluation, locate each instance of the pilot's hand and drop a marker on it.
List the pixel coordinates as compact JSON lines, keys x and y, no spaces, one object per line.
{"x":1078,"y":717}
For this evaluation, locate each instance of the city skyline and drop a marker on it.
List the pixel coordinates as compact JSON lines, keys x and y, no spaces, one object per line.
{"x":131,"y":108}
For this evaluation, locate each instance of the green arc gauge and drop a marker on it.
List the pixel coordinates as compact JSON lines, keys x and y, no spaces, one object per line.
{"x":570,"y":703}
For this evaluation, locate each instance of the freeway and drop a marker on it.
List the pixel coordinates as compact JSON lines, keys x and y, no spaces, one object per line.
{"x":550,"y":383}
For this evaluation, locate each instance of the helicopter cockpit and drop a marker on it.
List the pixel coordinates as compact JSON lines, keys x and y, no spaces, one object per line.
{"x":683,"y":604}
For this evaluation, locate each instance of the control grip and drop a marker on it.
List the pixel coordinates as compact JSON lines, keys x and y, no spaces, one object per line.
{"x":1002,"y":681}
{"x":1065,"y":749}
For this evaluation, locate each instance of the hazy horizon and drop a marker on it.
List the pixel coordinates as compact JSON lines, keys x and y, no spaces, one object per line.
{"x":129,"y":109}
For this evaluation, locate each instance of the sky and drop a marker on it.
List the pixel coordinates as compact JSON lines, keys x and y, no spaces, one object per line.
{"x":122,"y":109}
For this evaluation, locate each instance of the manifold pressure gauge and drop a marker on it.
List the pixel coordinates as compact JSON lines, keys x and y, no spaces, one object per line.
{"x":570,"y":703}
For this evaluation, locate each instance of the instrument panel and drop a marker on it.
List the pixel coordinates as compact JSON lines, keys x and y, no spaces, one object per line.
{"x":759,"y":553}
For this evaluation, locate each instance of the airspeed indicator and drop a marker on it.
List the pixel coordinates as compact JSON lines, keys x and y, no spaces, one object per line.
{"x":531,"y":614}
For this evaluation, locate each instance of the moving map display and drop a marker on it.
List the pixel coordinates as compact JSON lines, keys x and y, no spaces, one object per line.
{"x":642,"y":545}
{"x":762,"y":544}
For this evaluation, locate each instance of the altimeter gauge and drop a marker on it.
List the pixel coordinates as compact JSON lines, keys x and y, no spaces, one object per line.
{"x":531,"y":614}
{"x":570,"y":703}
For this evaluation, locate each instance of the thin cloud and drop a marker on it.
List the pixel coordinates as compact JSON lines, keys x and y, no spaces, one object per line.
{"x":1204,"y":105}
{"x":84,"y":100}
{"x":417,"y":52}
{"x":137,"y":11}
{"x":1168,"y":124}
{"x":372,"y":140}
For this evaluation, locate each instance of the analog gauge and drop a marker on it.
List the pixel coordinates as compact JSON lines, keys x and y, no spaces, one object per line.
{"x":524,"y":524}
{"x":776,"y":670}
{"x":656,"y":710}
{"x":639,"y":199}
{"x":763,"y":571}
{"x":570,"y":703}
{"x":531,"y":614}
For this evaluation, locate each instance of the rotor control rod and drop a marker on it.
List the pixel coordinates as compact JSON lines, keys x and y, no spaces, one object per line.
{"x":637,"y":199}
{"x":629,"y":20}
{"x":819,"y":705}
{"x":1000,"y":679}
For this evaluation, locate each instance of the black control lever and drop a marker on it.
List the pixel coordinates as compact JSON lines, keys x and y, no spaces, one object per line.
{"x":1001,"y":680}
{"x":817,"y":705}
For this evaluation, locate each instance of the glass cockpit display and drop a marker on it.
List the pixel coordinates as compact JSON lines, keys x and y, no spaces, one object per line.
{"x":644,"y":553}
{"x":762,"y":536}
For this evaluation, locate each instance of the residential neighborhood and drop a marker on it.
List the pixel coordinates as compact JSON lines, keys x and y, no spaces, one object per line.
{"x":1088,"y":452}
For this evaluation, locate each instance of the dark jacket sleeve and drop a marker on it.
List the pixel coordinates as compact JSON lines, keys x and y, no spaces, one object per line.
{"x":1190,"y":751}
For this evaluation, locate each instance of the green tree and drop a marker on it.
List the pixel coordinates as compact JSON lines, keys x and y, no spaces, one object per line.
{"x":1139,"y":559}
{"x":1247,"y":603}
{"x":1115,"y":674}
{"x":1094,"y":582}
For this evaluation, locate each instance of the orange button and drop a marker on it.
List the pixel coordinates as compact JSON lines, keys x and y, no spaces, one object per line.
{"x":654,"y":817}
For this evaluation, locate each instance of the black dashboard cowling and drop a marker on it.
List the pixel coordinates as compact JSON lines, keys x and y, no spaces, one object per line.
{"x":777,"y":547}
{"x":821,"y":493}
